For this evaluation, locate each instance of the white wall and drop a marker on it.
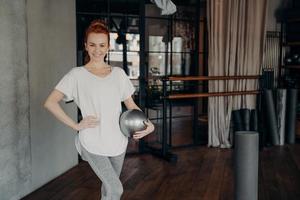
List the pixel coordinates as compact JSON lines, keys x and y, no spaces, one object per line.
{"x":15,"y":162}
{"x":37,"y":46}
{"x":51,"y":53}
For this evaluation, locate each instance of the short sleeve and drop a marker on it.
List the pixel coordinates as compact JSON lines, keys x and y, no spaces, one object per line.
{"x":127,"y":88}
{"x":67,"y":86}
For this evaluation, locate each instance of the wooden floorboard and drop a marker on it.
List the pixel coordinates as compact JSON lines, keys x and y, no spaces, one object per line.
{"x":200,"y":173}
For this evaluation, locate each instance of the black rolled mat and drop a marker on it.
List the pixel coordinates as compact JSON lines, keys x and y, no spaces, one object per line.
{"x":253,"y":120}
{"x":245,"y":113}
{"x":237,"y":120}
{"x":270,"y":113}
{"x":291,"y":114}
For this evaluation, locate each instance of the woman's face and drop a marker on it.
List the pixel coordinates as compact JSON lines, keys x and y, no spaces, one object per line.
{"x":97,"y":46}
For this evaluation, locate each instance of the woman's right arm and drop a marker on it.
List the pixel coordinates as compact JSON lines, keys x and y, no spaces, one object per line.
{"x":52,"y":104}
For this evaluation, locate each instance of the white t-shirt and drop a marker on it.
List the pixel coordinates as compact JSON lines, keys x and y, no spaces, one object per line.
{"x":100,"y":97}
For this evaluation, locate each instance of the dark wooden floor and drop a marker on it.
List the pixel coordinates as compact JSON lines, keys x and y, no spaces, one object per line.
{"x":200,"y":173}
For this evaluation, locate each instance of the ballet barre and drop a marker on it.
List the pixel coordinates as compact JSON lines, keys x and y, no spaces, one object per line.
{"x":168,"y":96}
{"x":212,"y":94}
{"x":209,"y":78}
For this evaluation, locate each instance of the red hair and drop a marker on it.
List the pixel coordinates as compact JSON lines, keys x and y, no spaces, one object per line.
{"x":96,"y":26}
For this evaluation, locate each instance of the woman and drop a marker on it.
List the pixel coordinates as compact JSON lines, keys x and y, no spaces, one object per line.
{"x":98,"y":89}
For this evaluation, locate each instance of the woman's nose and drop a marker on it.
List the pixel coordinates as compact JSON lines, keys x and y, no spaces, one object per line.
{"x":98,"y":49}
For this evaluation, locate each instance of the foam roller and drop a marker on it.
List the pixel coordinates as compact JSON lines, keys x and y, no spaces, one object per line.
{"x":246,"y":165}
{"x":281,"y":111}
{"x":291,"y":115}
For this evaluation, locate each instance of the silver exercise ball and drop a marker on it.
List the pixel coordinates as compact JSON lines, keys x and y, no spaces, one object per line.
{"x":132,"y":121}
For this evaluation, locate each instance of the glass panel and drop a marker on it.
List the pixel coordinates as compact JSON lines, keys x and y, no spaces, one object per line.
{"x":177,"y":64}
{"x":151,"y":10}
{"x":133,"y":42}
{"x":115,"y":58}
{"x":115,"y":23}
{"x":181,"y":64}
{"x":133,"y":62}
{"x":114,"y":46}
{"x":156,"y":30}
{"x":184,"y":35}
{"x":187,"y":11}
{"x":182,"y":123}
{"x":177,"y":86}
{"x":184,"y":10}
{"x":177,"y":44}
{"x":157,"y":64}
{"x":133,"y":25}
{"x":154,"y":113}
{"x":130,"y":24}
{"x":156,"y":44}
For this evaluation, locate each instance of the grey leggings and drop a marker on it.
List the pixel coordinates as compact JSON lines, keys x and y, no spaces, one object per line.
{"x":108,"y":169}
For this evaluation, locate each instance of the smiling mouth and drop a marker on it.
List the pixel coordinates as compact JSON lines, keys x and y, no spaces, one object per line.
{"x":98,"y":55}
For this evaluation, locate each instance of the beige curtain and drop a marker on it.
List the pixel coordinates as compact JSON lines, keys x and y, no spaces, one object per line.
{"x":236,"y":32}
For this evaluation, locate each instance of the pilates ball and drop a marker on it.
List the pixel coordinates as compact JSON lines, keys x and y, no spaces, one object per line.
{"x":131,"y":121}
